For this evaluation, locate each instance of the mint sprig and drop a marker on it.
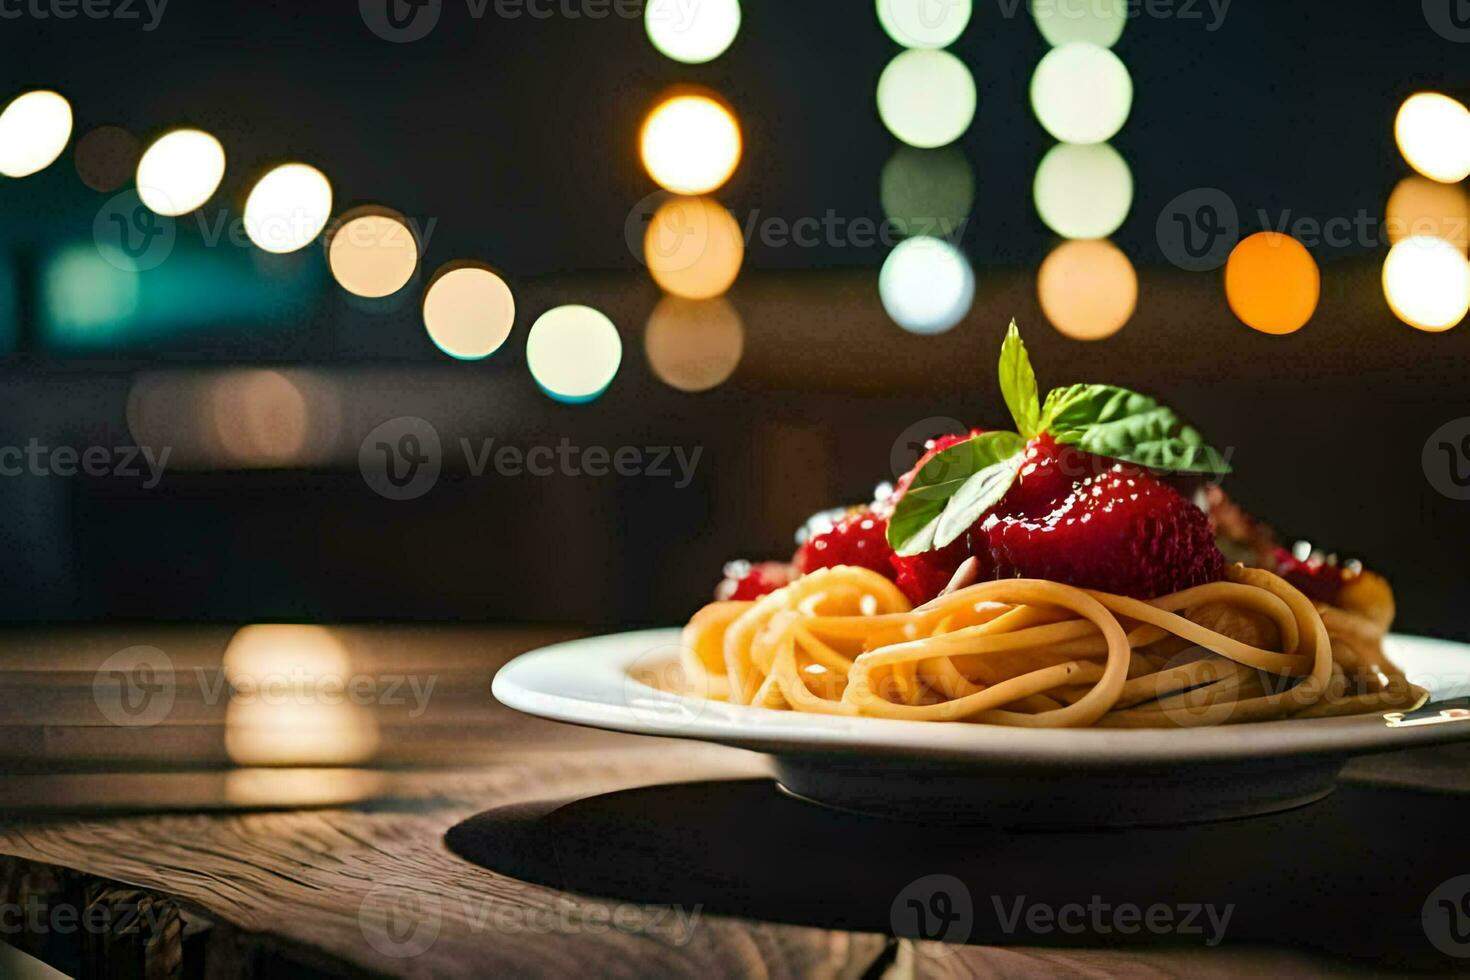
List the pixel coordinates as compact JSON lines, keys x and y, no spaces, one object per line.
{"x":956,"y":488}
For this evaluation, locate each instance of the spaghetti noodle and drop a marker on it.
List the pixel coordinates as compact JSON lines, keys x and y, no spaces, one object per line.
{"x":1040,"y":654}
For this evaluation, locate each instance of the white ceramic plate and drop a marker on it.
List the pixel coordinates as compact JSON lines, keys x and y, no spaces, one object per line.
{"x":985,"y":773}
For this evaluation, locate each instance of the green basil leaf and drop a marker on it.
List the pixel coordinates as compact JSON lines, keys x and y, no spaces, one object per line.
{"x":1122,"y":424}
{"x":958,"y":479}
{"x":1018,"y":384}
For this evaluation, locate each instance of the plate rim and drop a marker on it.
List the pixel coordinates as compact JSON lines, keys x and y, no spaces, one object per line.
{"x":602,"y":662}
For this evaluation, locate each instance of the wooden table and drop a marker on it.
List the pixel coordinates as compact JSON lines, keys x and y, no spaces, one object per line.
{"x":187,"y":855}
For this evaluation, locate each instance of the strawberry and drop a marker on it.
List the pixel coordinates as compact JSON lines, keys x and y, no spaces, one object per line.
{"x":747,"y":581}
{"x":860,"y":538}
{"x":1048,"y":473}
{"x":922,"y":577}
{"x":1319,"y":577}
{"x":932,"y":448}
{"x":1124,"y":531}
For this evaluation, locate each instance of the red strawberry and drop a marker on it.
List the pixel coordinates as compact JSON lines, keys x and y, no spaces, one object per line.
{"x":1319,"y":577}
{"x":1122,"y":531}
{"x":746,"y":581}
{"x":860,"y":538}
{"x":1049,"y":473}
{"x":922,"y":577}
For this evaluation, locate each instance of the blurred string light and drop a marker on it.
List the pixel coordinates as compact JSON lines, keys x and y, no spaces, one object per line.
{"x":694,"y":345}
{"x":372,"y":252}
{"x":34,"y":129}
{"x":574,"y":353}
{"x":180,"y":171}
{"x":288,"y":208}
{"x":926,"y":285}
{"x":1098,"y":22}
{"x":924,"y":23}
{"x":1081,"y":93}
{"x":1088,"y":289}
{"x":1422,"y":207}
{"x":928,"y":191}
{"x":691,"y":144}
{"x":1427,"y":283}
{"x":106,"y":158}
{"x":1083,"y":191}
{"x":1272,"y":283}
{"x":692,"y":33}
{"x":468,"y":311}
{"x":1433,"y":133}
{"x":693,"y":247}
{"x":249,"y":418}
{"x":926,"y":98}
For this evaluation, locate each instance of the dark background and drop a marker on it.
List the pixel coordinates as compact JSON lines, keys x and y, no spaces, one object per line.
{"x":518,"y":138}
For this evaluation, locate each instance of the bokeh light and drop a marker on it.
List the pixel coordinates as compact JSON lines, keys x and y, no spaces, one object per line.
{"x":288,"y":208}
{"x":574,"y":353}
{"x":1083,"y":191}
{"x":1427,"y":282}
{"x":928,"y":192}
{"x":260,"y":418}
{"x":692,"y":32}
{"x":693,"y":247}
{"x":927,"y":285}
{"x":1088,"y":289}
{"x":924,"y":23}
{"x":106,"y":158}
{"x":34,"y":129}
{"x":372,"y":252}
{"x":468,"y":311}
{"x":691,"y":144}
{"x":926,"y":98}
{"x":1098,"y":22}
{"x":180,"y":171}
{"x":1272,"y":283}
{"x":1419,"y":206}
{"x":1081,"y":93}
{"x":694,"y":345}
{"x":1433,"y":133}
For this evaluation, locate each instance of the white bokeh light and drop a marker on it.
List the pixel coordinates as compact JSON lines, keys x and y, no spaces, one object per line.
{"x":1083,"y":191}
{"x":180,"y":171}
{"x":1433,"y":133}
{"x":692,"y":33}
{"x":926,"y":98}
{"x":288,"y":208}
{"x":1099,"y":22}
{"x":1082,"y":93}
{"x":469,"y":312}
{"x":574,"y":353}
{"x":924,"y":23}
{"x":1427,"y":283}
{"x":34,"y":129}
{"x":927,"y":285}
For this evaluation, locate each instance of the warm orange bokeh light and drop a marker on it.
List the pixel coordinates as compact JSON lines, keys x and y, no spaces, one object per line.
{"x":1273,"y":283}
{"x":693,"y":247}
{"x":1088,"y":289}
{"x":1419,"y":206}
{"x":691,"y":144}
{"x":694,"y":344}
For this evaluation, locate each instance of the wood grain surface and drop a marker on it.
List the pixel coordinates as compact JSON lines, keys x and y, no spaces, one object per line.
{"x":192,"y":865}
